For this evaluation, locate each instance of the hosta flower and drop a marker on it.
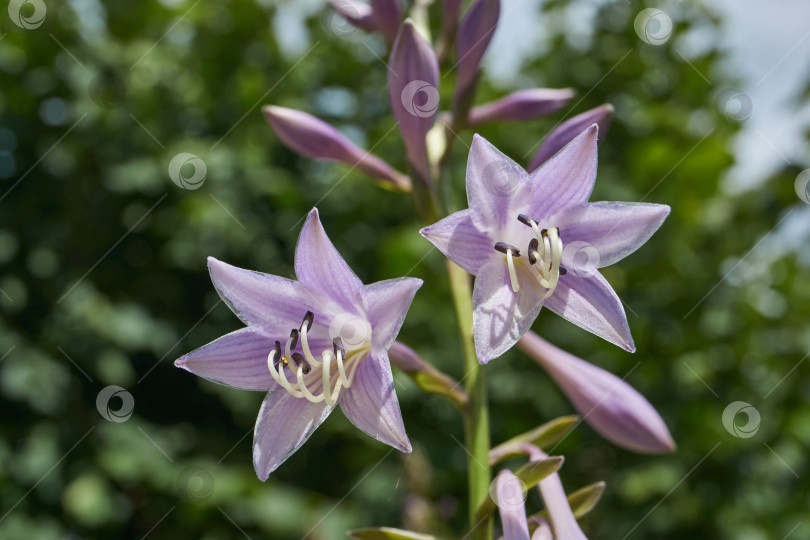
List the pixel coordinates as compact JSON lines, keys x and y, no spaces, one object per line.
{"x":534,"y":240}
{"x":311,"y":344}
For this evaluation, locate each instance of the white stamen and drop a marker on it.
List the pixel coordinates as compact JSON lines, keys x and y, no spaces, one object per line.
{"x":512,"y":275}
{"x":301,"y":386}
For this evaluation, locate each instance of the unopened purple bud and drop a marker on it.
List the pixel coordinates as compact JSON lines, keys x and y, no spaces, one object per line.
{"x":565,"y":132}
{"x":357,"y":13}
{"x":611,"y":406}
{"x":412,"y":87}
{"x":521,"y":105}
{"x":474,"y":34}
{"x":450,"y":13}
{"x":314,"y":138}
{"x":387,"y":15}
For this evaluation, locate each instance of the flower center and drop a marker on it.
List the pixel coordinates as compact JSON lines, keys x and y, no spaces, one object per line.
{"x":544,"y":255}
{"x":310,"y":373}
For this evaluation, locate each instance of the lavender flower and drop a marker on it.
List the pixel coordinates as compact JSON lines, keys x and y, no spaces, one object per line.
{"x":563,"y":522}
{"x":524,"y":237}
{"x":314,"y":138}
{"x":521,"y":105}
{"x":611,"y":406}
{"x":565,"y":132}
{"x":336,"y":334}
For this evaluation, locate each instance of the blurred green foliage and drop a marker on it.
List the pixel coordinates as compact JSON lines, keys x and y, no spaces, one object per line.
{"x":103,"y":279}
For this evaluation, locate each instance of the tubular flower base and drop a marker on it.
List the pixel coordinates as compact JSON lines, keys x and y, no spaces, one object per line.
{"x":311,"y":344}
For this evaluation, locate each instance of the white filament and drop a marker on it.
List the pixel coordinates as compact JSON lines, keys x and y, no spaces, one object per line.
{"x":512,"y":275}
{"x":549,"y":256}
{"x":303,"y":382}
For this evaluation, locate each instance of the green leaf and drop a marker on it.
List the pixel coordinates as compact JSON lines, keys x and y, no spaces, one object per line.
{"x":543,"y":436}
{"x":533,"y":472}
{"x":387,"y":533}
{"x":584,"y":499}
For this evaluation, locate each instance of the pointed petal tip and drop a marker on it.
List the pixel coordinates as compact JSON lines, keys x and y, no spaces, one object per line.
{"x":181,"y":362}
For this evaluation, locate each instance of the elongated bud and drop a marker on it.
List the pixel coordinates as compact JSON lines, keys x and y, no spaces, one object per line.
{"x":521,"y":105}
{"x":611,"y":406}
{"x":474,"y":34}
{"x":510,"y":498}
{"x":357,"y":13}
{"x":314,"y":138}
{"x":413,"y":80}
{"x":450,"y":14}
{"x":565,"y":132}
{"x":387,"y":15}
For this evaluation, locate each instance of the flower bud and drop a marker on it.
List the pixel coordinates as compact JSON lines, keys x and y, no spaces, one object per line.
{"x":611,"y":406}
{"x":314,"y":138}
{"x":387,"y":16}
{"x":521,"y":105}
{"x":474,"y":34}
{"x":357,"y":13}
{"x":413,"y":80}
{"x":565,"y":132}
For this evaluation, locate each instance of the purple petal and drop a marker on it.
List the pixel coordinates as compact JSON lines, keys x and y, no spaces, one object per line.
{"x":565,"y":132}
{"x":387,"y":15}
{"x":474,"y":34}
{"x":495,"y":185}
{"x":509,"y":497}
{"x":609,"y":230}
{"x":284,"y":424}
{"x":412,"y":88}
{"x":590,"y":302}
{"x":314,"y":138}
{"x":271,"y":304}
{"x":521,"y":105}
{"x":562,"y":518}
{"x":357,"y":13}
{"x":238,"y":360}
{"x":371,"y":403}
{"x":567,"y":178}
{"x":500,"y":316}
{"x":461,"y":241}
{"x":611,"y":406}
{"x":387,"y":303}
{"x":318,"y":264}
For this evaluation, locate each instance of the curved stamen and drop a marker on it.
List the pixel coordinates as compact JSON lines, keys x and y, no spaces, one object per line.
{"x":510,"y":251}
{"x":304,"y":366}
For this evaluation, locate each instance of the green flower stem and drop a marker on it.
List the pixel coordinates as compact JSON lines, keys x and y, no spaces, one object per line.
{"x":476,"y":413}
